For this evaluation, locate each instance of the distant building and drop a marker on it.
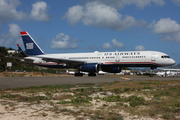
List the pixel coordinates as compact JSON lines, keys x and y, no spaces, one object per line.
{"x":12,"y":51}
{"x":126,"y":71}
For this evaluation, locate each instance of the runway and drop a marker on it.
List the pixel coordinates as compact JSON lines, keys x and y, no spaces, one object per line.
{"x":15,"y":82}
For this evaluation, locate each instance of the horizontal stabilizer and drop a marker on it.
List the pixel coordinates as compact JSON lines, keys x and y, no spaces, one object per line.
{"x":21,"y":51}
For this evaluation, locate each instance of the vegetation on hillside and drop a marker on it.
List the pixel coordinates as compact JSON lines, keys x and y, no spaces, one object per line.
{"x":17,"y":64}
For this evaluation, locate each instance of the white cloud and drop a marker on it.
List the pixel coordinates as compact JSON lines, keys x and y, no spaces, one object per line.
{"x":140,"y":48}
{"x":12,"y":37}
{"x":167,"y":29}
{"x":177,"y":2}
{"x":62,"y":41}
{"x":8,"y":11}
{"x":174,"y":37}
{"x":106,"y":46}
{"x":159,"y":2}
{"x":74,"y":14}
{"x":100,"y":15}
{"x":138,"y":3}
{"x":93,"y":47}
{"x":143,"y":3}
{"x":39,"y":11}
{"x":165,"y":26}
{"x":117,"y":43}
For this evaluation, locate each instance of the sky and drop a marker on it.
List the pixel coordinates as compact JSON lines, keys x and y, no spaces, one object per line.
{"x":69,"y":26}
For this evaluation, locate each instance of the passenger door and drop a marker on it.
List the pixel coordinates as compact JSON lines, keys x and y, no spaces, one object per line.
{"x":117,"y":57}
{"x":153,"y":57}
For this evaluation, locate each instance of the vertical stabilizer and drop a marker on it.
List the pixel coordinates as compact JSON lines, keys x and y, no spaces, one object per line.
{"x":30,"y":45}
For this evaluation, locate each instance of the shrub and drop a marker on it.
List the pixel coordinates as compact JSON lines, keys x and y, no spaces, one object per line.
{"x":135,"y":101}
{"x":177,"y":105}
{"x":147,"y":87}
{"x":112,"y":98}
{"x":127,"y":89}
{"x":117,"y":90}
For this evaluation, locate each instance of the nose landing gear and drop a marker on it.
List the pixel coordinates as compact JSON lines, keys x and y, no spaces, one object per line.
{"x":152,"y":71}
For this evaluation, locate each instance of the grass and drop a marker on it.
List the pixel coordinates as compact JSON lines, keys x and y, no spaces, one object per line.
{"x":20,"y":98}
{"x":152,"y":99}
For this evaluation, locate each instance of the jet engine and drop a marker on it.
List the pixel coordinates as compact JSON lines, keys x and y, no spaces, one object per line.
{"x":90,"y":67}
{"x":111,"y":69}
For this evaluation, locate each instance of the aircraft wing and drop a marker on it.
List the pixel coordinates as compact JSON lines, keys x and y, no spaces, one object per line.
{"x":66,"y":61}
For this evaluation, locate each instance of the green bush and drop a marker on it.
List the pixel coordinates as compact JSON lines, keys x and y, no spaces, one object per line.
{"x":112,"y":98}
{"x":177,"y":105}
{"x":147,"y":87}
{"x":117,"y":90}
{"x":127,"y":89}
{"x":135,"y":101}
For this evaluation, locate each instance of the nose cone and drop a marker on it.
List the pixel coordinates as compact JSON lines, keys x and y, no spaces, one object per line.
{"x":172,"y":62}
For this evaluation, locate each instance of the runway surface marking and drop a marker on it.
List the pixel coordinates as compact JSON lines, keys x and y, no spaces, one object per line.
{"x":125,"y":78}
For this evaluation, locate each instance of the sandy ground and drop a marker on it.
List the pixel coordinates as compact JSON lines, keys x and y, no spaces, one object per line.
{"x":49,"y":110}
{"x":23,"y":111}
{"x":14,"y":110}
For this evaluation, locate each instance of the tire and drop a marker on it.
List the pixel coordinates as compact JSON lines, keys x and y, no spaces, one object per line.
{"x":78,"y":74}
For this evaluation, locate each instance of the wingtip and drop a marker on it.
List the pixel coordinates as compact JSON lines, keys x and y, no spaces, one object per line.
{"x":18,"y":45}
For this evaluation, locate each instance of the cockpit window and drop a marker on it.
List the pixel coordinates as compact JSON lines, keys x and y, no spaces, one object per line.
{"x":165,"y":57}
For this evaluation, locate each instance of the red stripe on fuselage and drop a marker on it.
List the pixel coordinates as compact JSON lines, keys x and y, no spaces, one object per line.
{"x":110,"y":63}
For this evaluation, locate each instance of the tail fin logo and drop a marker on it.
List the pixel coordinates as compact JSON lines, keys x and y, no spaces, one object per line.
{"x":29,"y":45}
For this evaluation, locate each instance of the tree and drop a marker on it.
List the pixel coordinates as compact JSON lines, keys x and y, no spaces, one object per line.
{"x":3,"y":51}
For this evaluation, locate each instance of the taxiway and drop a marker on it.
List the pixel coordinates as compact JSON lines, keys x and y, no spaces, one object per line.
{"x":15,"y":82}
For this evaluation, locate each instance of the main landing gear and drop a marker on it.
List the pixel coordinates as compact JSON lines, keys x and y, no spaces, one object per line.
{"x":78,"y":74}
{"x":92,"y":74}
{"x":151,"y":72}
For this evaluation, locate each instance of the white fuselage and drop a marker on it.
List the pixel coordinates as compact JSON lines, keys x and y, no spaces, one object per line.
{"x":122,"y":59}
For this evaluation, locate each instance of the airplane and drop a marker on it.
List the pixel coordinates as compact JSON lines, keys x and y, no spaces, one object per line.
{"x":101,"y":72}
{"x":73,"y":72}
{"x":39,"y":61}
{"x":168,"y":72}
{"x":70,"y":72}
{"x":111,"y":62}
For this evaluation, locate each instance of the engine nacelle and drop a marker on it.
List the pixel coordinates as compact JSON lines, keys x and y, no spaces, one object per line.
{"x":90,"y":67}
{"x":111,"y":69}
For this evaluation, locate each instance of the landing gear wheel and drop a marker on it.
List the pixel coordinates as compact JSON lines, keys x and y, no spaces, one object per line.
{"x":151,"y":75}
{"x":92,"y":74}
{"x":78,"y":74}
